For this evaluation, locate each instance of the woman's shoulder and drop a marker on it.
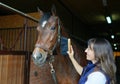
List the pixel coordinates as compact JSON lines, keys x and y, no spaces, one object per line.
{"x":97,"y":74}
{"x":96,"y":77}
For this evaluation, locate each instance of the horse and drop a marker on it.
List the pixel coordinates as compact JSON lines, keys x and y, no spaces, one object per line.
{"x":48,"y":65}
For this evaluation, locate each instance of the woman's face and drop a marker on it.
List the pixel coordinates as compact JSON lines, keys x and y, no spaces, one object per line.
{"x":90,"y":53}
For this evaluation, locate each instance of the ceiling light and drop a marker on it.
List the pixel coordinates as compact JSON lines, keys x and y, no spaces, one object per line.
{"x":115,"y":44}
{"x":115,"y":48}
{"x":112,"y":36}
{"x":108,"y":19}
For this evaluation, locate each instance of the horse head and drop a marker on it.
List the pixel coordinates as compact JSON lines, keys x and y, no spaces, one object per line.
{"x":48,"y":29}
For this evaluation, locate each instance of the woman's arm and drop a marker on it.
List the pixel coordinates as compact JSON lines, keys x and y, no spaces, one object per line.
{"x":70,"y":52}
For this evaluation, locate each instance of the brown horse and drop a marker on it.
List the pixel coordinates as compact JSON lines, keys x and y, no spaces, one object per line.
{"x":48,"y":65}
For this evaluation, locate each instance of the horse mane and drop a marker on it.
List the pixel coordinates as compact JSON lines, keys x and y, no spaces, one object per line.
{"x":78,"y":49}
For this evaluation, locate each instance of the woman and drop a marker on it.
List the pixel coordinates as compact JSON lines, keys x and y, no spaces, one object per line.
{"x":101,"y":66}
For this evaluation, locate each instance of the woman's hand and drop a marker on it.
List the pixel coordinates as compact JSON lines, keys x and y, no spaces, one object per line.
{"x":71,"y":52}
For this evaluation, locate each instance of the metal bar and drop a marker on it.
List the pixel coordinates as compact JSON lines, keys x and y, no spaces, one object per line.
{"x":25,"y":35}
{"x":19,"y":12}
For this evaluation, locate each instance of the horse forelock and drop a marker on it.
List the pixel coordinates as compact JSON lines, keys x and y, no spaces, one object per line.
{"x":44,"y":17}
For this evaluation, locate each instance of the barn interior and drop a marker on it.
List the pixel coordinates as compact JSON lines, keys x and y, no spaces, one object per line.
{"x":90,"y":14}
{"x":82,"y":19}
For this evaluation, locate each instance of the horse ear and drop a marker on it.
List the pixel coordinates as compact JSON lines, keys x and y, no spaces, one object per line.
{"x":40,"y":11}
{"x":53,"y":10}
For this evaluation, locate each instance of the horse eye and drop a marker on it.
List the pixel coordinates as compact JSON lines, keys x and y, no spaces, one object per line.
{"x":53,"y":28}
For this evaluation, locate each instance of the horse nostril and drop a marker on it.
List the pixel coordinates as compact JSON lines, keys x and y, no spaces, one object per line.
{"x":39,"y":56}
{"x":35,"y":73}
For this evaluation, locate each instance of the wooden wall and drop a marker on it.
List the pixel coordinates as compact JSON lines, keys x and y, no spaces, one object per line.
{"x":17,"y":21}
{"x":116,"y":54}
{"x":18,"y":33}
{"x":18,"y":39}
{"x":14,"y":67}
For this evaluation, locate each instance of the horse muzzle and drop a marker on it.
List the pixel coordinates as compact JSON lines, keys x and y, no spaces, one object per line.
{"x":39,"y":56}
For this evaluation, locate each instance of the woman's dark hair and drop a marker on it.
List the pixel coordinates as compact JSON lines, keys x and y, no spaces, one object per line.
{"x":104,"y":55}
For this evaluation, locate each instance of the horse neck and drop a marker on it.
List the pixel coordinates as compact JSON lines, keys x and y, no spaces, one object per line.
{"x":64,"y":32}
{"x":79,"y":53}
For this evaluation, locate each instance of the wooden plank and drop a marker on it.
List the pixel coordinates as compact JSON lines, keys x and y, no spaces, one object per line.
{"x":12,"y":68}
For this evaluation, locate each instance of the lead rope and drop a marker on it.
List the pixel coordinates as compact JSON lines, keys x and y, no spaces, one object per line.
{"x":53,"y":73}
{"x":52,"y":57}
{"x":59,"y":30}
